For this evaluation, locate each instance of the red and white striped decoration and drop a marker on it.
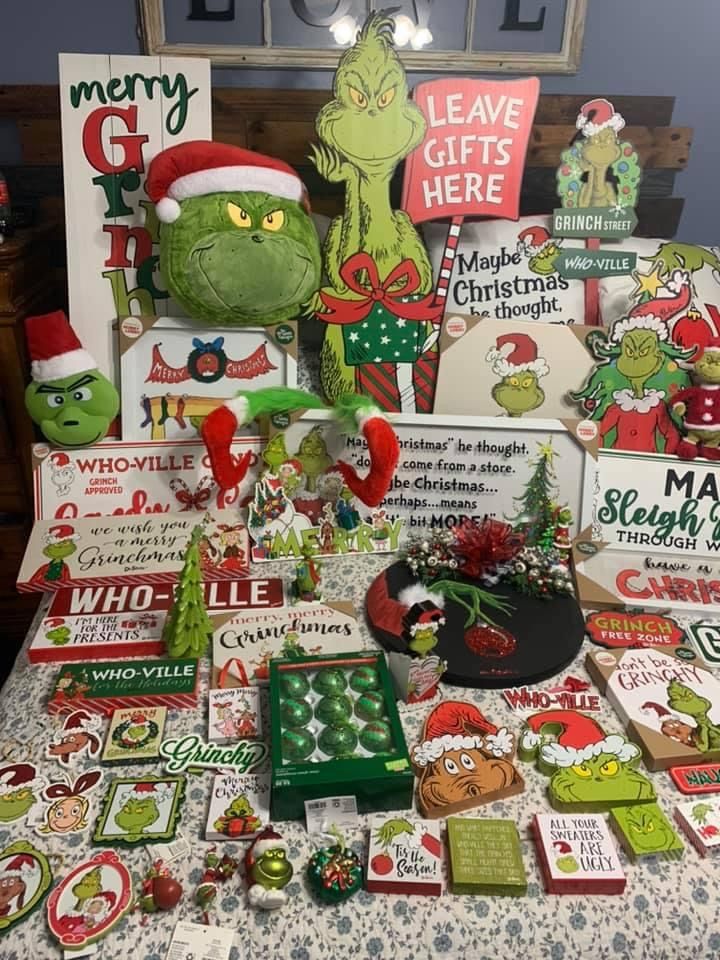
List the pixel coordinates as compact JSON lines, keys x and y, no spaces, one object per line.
{"x":448,"y":260}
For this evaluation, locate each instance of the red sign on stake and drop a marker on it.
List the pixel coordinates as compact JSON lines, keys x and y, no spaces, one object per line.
{"x":471,"y":160}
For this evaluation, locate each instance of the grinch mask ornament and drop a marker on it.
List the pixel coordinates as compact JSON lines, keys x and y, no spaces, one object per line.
{"x":68,"y":398}
{"x":232,"y":221}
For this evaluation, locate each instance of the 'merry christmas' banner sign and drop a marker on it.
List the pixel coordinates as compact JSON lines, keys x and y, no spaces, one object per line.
{"x":471,"y":160}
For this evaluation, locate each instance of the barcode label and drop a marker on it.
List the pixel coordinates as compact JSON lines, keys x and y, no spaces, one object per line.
{"x":179,"y":847}
{"x":321,"y":815}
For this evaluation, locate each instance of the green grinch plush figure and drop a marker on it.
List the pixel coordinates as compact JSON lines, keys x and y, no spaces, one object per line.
{"x":237,"y":244}
{"x":68,"y":398}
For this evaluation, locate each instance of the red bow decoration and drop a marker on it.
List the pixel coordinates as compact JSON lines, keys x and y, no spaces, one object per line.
{"x":191,"y":501}
{"x":378,"y":291}
{"x":576,"y":685}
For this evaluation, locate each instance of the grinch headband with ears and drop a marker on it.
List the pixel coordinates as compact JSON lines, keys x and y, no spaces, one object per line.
{"x":355,"y":413}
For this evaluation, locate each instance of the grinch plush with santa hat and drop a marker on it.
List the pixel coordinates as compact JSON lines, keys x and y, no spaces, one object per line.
{"x":68,"y":398}
{"x":699,"y":406}
{"x":237,"y":243}
{"x":268,"y":870}
{"x":515,"y":359}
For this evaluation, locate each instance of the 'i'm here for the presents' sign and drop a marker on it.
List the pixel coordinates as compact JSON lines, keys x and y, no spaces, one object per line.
{"x":117,"y":113}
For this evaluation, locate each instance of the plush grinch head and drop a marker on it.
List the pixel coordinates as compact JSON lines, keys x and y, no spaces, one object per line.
{"x":237,"y":244}
{"x":69,"y":399}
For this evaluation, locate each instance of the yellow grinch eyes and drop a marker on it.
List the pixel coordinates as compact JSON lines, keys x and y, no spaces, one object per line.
{"x":582,"y":770}
{"x":610,"y":768}
{"x":527,"y":382}
{"x":240,"y":217}
{"x":386,"y":98}
{"x":514,"y":381}
{"x":274,"y":220}
{"x":358,"y":98}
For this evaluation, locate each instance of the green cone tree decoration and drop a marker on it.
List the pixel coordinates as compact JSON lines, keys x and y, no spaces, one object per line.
{"x":188,"y":627}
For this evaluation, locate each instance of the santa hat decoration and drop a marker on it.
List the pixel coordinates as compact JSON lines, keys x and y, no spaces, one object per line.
{"x":54,"y":348}
{"x":454,"y":725}
{"x":581,"y":738}
{"x":514,"y":353}
{"x":82,"y":722}
{"x":293,"y":466}
{"x":200,"y":167}
{"x":424,"y":609}
{"x":20,"y":776}
{"x":267,"y":839}
{"x":532,"y":240}
{"x":59,"y":460}
{"x":639,"y":322}
{"x":142,"y":791}
{"x":60,"y":533}
{"x":597,"y":115}
{"x":23,"y":866}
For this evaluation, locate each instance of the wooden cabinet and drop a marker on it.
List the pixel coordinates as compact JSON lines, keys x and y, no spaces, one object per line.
{"x":29,"y":283}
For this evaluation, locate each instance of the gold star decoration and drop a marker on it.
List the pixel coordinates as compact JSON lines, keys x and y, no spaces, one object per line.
{"x":647,"y":283}
{"x":547,"y":453}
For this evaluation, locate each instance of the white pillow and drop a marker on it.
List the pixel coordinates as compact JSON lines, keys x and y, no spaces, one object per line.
{"x":504,"y":268}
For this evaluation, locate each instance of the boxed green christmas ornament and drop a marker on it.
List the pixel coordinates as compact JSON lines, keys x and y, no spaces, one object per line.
{"x":336,"y":731}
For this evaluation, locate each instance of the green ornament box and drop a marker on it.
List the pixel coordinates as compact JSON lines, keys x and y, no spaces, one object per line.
{"x":376,"y":769}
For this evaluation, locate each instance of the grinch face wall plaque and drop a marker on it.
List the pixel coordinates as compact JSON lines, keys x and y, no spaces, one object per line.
{"x":140,"y":811}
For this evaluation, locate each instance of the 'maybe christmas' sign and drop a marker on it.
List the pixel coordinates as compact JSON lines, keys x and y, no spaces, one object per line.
{"x":471,"y":160}
{"x":117,"y":113}
{"x":100,"y":551}
{"x":654,"y":502}
{"x":122,"y":620}
{"x":119,"y":478}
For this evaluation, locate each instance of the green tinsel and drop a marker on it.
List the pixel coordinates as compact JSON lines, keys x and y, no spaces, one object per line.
{"x":476,"y":598}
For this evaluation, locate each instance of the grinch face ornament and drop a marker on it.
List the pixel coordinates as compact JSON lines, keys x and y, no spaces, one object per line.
{"x":68,"y":398}
{"x":232,"y":219}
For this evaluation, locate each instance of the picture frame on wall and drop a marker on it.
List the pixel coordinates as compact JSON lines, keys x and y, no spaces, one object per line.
{"x":455,"y":36}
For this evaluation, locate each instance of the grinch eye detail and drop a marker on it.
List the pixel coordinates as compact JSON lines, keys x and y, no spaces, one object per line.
{"x":84,"y":393}
{"x":240,"y":217}
{"x":527,"y":381}
{"x":610,"y":768}
{"x":55,"y":400}
{"x":467,"y":761}
{"x":273,"y":221}
{"x":650,"y":827}
{"x":514,"y":381}
{"x":582,"y":770}
{"x":358,"y":98}
{"x":451,"y":767}
{"x":386,"y":97}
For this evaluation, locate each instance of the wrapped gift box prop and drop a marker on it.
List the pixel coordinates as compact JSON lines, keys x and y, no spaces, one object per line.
{"x":336,"y":730}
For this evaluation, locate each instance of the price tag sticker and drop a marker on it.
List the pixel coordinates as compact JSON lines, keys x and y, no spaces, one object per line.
{"x":179,"y":847}
{"x":322,"y":814}
{"x":200,"y":942}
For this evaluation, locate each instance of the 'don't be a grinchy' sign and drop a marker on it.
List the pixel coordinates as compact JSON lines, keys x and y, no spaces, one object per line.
{"x":117,"y":113}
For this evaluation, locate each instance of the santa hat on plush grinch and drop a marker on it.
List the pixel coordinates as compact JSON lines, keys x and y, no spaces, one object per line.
{"x":259,"y":896}
{"x":200,"y":167}
{"x":60,"y":533}
{"x":55,"y":350}
{"x":515,"y":353}
{"x":457,"y":725}
{"x":533,"y":240}
{"x":597,"y":115}
{"x":581,"y":738}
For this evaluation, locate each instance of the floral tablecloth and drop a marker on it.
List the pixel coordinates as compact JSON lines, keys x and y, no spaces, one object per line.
{"x":669,"y":910}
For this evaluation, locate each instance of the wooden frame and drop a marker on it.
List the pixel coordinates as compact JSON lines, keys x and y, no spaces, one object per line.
{"x":566,"y":61}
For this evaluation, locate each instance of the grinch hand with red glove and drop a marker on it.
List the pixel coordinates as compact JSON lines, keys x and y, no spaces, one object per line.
{"x":700,"y":407}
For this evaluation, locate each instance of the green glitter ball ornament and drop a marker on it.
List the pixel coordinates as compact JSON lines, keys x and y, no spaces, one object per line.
{"x":334,"y":873}
{"x":338,"y":740}
{"x":337,"y":708}
{"x":364,"y":678}
{"x":297,"y":745}
{"x":295,"y":713}
{"x":295,"y":685}
{"x":329,"y":680}
{"x":376,"y":737}
{"x":371,"y":705}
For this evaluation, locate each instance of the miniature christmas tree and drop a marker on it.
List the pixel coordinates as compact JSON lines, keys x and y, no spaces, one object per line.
{"x":535,"y":515}
{"x":188,"y":627}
